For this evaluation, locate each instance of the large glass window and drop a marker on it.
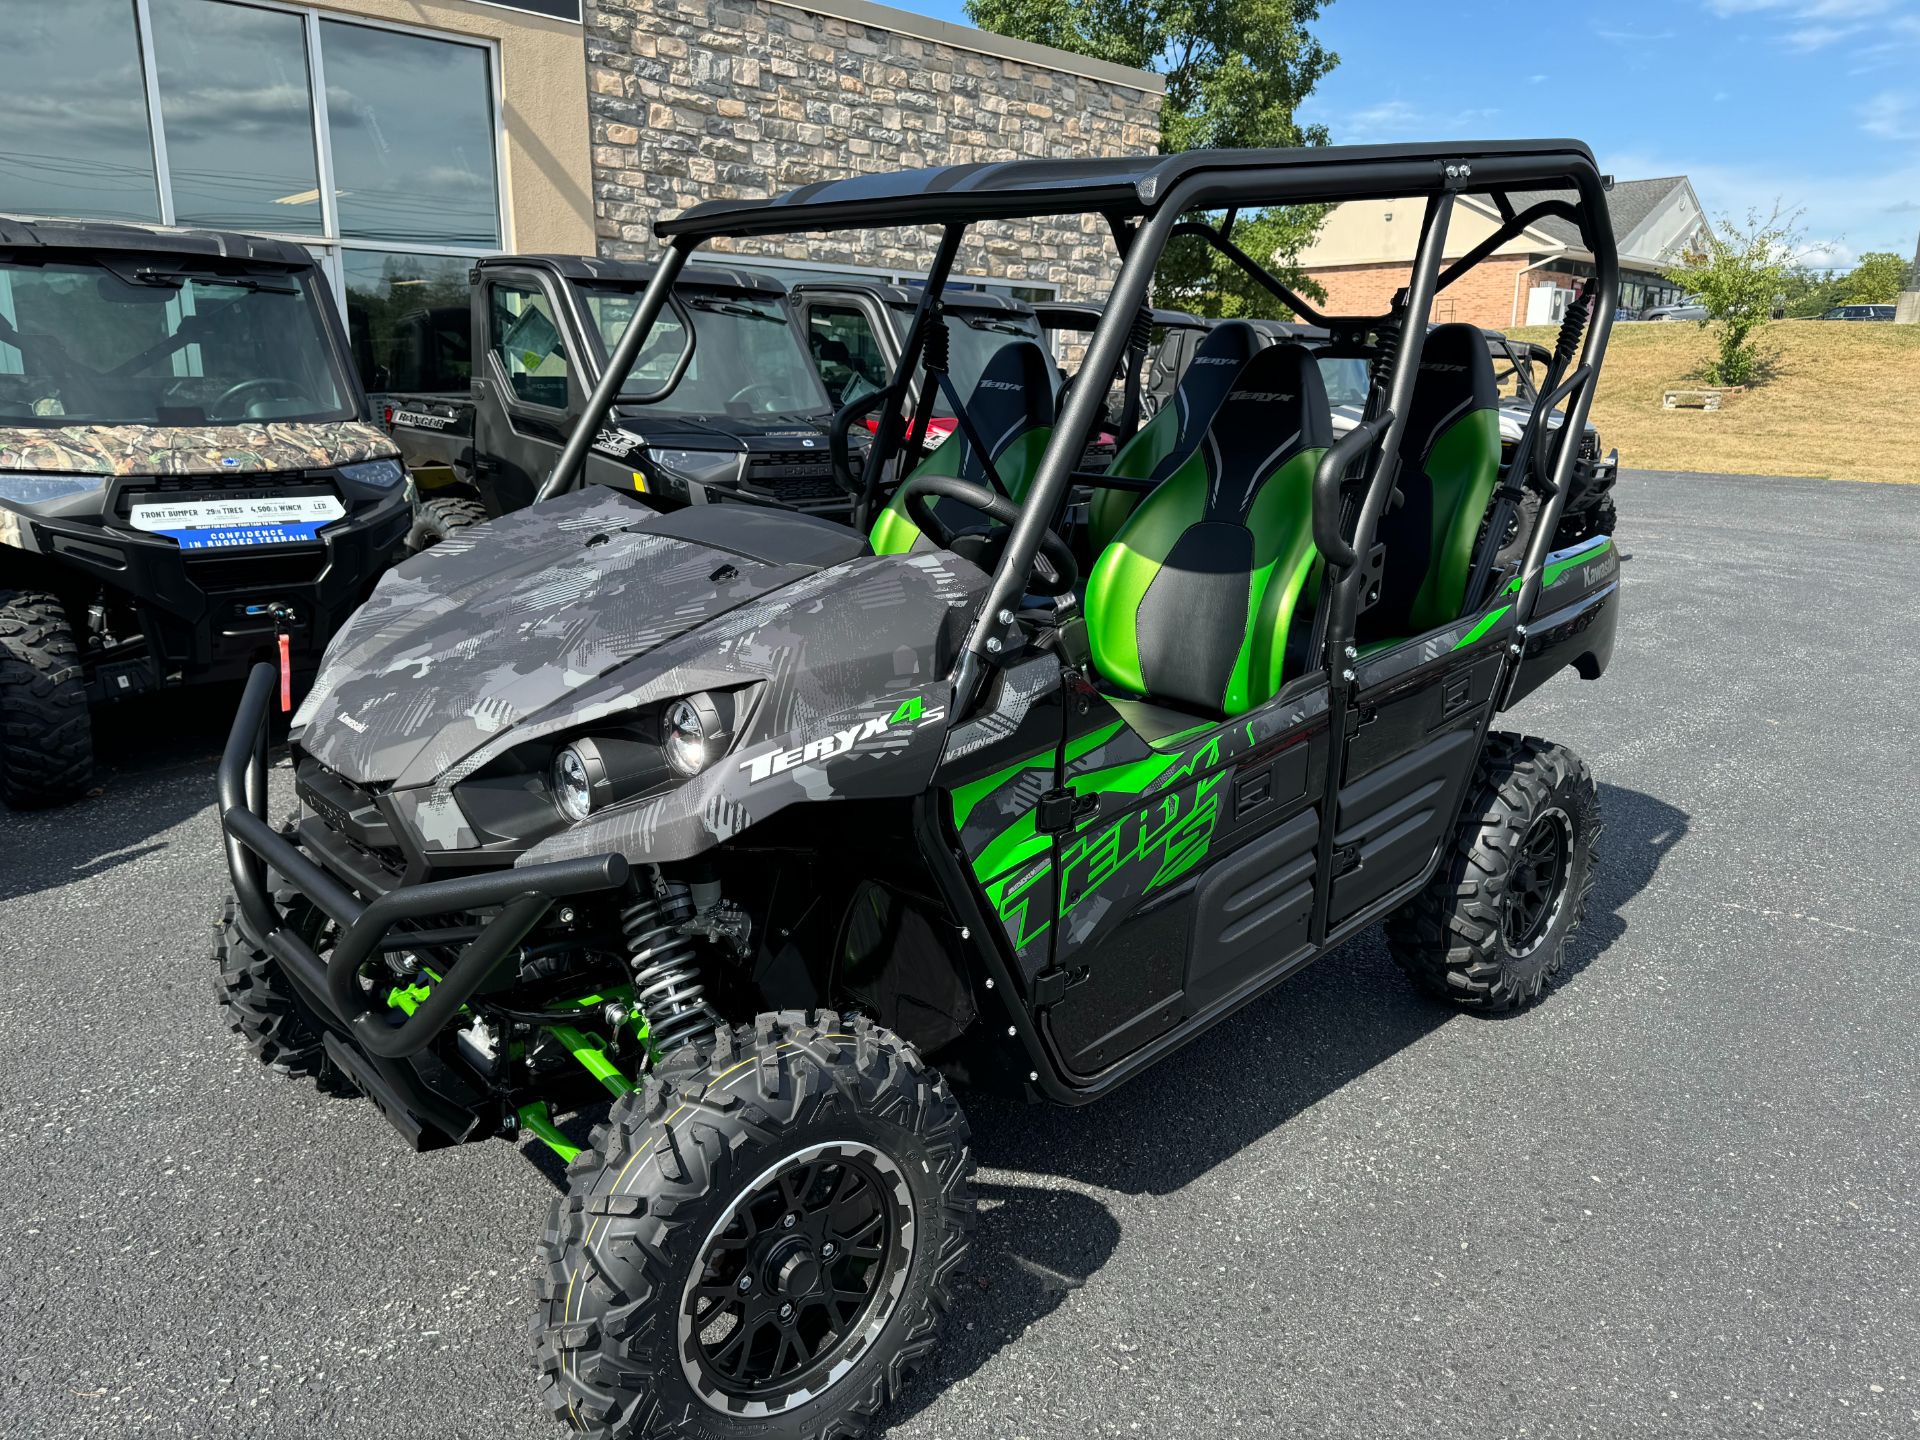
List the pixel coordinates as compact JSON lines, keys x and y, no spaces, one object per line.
{"x":847,"y":351}
{"x":412,"y":128}
{"x":124,"y":345}
{"x":409,"y":319}
{"x":238,"y":109}
{"x":73,"y":112}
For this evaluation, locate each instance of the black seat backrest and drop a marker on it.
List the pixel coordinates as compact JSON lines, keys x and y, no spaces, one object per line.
{"x":1012,"y":398}
{"x":1162,"y":445}
{"x":1450,"y":461}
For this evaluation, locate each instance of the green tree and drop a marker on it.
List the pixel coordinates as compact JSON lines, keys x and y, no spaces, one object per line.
{"x":1236,"y":72}
{"x":1738,"y":276}
{"x":1876,"y":280}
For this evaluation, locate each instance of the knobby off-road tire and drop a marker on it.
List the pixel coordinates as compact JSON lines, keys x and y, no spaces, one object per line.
{"x":794,"y":1101}
{"x":260,"y":1005}
{"x":438,"y":516}
{"x":1491,"y":928}
{"x":46,"y":741}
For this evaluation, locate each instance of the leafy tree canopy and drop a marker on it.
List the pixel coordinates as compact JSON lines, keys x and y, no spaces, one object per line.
{"x":1876,"y":280}
{"x":1739,"y":274}
{"x":1236,"y":73}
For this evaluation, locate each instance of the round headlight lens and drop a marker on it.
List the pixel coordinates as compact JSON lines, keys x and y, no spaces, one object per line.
{"x":572,"y":786}
{"x":687,"y":731}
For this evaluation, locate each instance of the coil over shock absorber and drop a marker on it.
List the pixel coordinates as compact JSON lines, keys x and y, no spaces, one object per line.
{"x":666,"y":971}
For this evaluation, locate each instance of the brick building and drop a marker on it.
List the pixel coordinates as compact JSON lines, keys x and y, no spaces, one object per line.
{"x":1365,"y":252}
{"x":697,"y":99}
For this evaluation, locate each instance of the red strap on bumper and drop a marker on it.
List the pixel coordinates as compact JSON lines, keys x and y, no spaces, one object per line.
{"x":286,"y":672}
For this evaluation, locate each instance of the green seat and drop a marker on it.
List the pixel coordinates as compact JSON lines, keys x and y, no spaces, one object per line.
{"x":1451,"y":450}
{"x":1192,"y":601}
{"x":1011,"y":408}
{"x":1162,"y":445}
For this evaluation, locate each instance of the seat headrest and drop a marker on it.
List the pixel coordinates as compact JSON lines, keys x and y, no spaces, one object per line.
{"x":1014,"y":394}
{"x":1456,"y":375}
{"x":1275,"y":408}
{"x":1217,"y":362}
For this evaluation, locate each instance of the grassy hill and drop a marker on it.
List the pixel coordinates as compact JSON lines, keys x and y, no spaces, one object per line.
{"x":1844,"y":403}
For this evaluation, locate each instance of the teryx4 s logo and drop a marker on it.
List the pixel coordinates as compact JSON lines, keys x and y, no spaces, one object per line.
{"x":910,"y":714}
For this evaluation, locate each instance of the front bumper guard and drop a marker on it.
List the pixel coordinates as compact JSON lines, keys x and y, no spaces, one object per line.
{"x":332,"y":987}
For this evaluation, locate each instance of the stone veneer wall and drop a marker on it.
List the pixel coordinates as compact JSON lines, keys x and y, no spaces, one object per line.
{"x":701,"y":99}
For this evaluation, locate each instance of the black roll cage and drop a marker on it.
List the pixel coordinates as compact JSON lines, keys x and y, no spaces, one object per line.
{"x":1146,"y":204}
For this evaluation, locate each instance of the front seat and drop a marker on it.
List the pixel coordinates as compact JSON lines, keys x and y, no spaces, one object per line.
{"x":1159,"y":447}
{"x":1451,"y":454}
{"x":1192,"y":602}
{"x":1011,"y":408}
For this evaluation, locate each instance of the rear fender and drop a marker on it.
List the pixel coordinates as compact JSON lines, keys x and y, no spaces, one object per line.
{"x":1577,"y":614}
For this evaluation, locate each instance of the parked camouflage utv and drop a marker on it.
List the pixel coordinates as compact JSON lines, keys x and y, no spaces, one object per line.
{"x":188,"y":484}
{"x":771,"y":829}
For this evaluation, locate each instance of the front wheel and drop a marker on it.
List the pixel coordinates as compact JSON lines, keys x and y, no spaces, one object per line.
{"x":761,"y":1243}
{"x":1491,"y":928}
{"x":46,"y":740}
{"x":436,"y":517}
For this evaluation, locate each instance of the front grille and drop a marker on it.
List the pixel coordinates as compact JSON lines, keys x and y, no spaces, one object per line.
{"x":797,"y":477}
{"x":270,"y":568}
{"x":350,"y":813}
{"x":181,"y":487}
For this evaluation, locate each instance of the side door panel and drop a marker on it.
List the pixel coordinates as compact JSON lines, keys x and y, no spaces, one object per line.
{"x":1191,"y":874}
{"x":1416,"y":722}
{"x":524,"y":389}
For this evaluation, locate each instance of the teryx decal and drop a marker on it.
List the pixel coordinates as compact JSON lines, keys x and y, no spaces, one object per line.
{"x":911,"y":712}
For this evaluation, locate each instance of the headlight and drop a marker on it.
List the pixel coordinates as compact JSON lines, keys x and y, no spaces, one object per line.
{"x":699,"y":467}
{"x":591,"y":774}
{"x":32,"y":489}
{"x":379,"y":474}
{"x":695,"y":731}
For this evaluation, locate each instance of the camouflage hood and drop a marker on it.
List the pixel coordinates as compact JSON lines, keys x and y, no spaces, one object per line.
{"x":190,"y":450}
{"x":502,"y":621}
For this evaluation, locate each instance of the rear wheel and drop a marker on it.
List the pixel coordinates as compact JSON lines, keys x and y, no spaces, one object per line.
{"x":437,"y":516}
{"x":46,"y":740}
{"x":760,"y":1243}
{"x":1490,"y":929}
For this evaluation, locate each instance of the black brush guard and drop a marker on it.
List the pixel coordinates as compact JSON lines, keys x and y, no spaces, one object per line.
{"x":385,"y":1054}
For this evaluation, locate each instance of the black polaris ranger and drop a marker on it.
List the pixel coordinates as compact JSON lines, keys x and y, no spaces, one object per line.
{"x":766,"y":826}
{"x":722,"y":404}
{"x":188,"y":482}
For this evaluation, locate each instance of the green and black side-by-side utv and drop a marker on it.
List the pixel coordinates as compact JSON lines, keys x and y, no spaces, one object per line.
{"x":769,"y":827}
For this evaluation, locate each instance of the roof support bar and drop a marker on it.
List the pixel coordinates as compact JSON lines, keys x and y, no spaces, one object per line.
{"x":1513,"y":226}
{"x":1268,"y":280}
{"x":890,"y":438}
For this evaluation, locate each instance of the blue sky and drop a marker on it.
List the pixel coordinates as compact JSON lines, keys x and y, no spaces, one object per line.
{"x":1815,"y":103}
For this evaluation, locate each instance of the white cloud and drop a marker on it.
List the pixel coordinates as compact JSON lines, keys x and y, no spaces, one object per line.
{"x":1401,"y":120}
{"x":1818,"y":24}
{"x":1891,"y":116}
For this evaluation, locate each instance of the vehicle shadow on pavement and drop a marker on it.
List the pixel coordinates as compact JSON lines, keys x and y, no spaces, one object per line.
{"x":1315,"y":1033}
{"x":156,"y":757}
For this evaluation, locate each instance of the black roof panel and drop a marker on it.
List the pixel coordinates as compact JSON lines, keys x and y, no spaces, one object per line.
{"x":594,"y":270}
{"x":1122,"y":185}
{"x":31,"y":232}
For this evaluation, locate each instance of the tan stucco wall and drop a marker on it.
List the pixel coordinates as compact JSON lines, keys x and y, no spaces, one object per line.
{"x":1373,"y":232}
{"x":543,"y":82}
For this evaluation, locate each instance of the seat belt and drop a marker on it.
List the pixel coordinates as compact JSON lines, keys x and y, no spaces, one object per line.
{"x":934,"y":362}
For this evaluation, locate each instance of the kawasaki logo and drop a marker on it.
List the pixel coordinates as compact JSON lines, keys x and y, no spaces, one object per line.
{"x":910,"y":712}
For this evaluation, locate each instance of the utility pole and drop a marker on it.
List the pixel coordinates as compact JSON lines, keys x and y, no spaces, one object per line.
{"x":1909,"y":311}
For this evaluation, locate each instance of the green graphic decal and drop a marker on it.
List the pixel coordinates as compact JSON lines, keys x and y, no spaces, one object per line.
{"x":1548,"y":579}
{"x":1174,"y":834}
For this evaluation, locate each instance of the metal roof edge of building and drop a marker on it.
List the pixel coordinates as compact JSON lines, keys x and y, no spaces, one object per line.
{"x":981,"y":42}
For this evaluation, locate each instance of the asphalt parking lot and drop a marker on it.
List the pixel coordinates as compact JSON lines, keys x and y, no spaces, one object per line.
{"x":1678,"y":1197}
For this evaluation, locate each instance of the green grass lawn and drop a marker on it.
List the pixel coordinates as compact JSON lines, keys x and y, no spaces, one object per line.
{"x":1843,"y":404}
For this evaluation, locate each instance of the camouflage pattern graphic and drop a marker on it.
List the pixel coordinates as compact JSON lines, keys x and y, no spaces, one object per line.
{"x":587,"y":608}
{"x":190,"y":449}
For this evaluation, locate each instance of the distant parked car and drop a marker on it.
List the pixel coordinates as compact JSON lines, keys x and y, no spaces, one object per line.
{"x":1688,"y":309}
{"x":1859,"y":312}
